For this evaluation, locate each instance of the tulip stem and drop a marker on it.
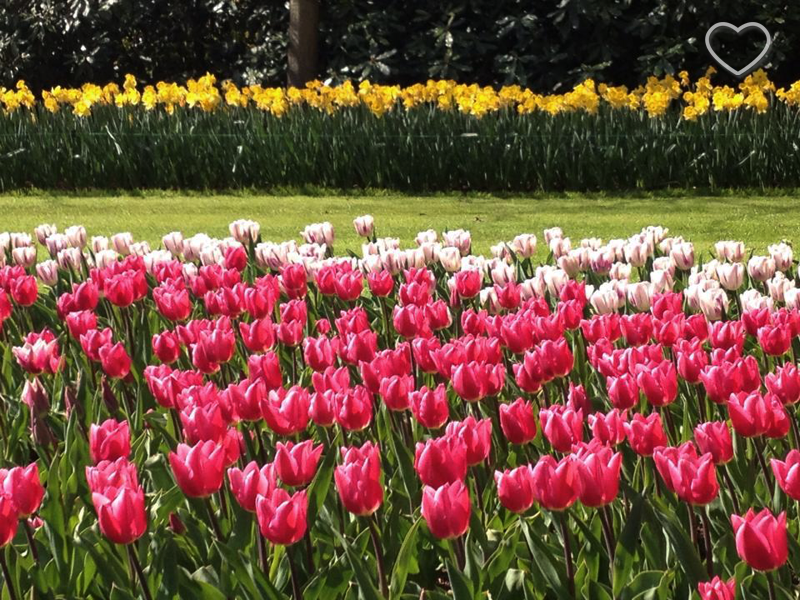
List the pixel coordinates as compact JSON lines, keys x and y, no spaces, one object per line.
{"x":707,"y":542}
{"x":692,"y":524}
{"x":176,"y":425}
{"x":568,"y":554}
{"x":382,"y":304}
{"x":673,"y":434}
{"x":565,"y":393}
{"x":729,"y":483}
{"x":140,"y":574}
{"x":496,"y":415}
{"x":309,"y":553}
{"x":376,"y":543}
{"x":760,"y":450}
{"x":262,"y":550}
{"x":458,"y":548}
{"x":342,"y":519}
{"x":7,"y":575}
{"x":263,"y":441}
{"x":297,"y":594}
{"x":31,"y":541}
{"x":606,"y":520}
{"x":608,"y":532}
{"x":213,"y":518}
{"x":655,"y":477}
{"x":3,"y":429}
{"x":546,"y":396}
{"x":478,"y":493}
{"x":795,"y":432}
{"x":770,"y":585}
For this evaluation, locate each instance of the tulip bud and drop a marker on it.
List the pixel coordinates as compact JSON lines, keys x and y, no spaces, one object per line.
{"x":358,"y":479}
{"x":517,"y":421}
{"x":121,"y":242}
{"x":597,"y":470}
{"x":35,"y":396}
{"x":44,"y":231}
{"x":783,"y":256}
{"x":730,"y":251}
{"x":683,"y":255}
{"x":23,"y":487}
{"x":761,"y":539}
{"x":121,"y":513}
{"x":717,"y":589}
{"x":296,"y":464}
{"x":645,"y":433}
{"x":286,"y":411}
{"x":715,"y":438}
{"x":282,"y":518}
{"x":515,"y":488}
{"x":693,"y":478}
{"x":364,"y":226}
{"x":787,"y":474}
{"x":24,"y":290}
{"x":608,"y":429}
{"x":458,"y":238}
{"x":115,"y":360}
{"x":176,"y":525}
{"x":476,"y":437}
{"x":47,"y":272}
{"x":760,"y":268}
{"x":166,"y":346}
{"x":447,"y":509}
{"x":249,"y":483}
{"x":430,"y":407}
{"x":554,"y":483}
{"x":441,"y":460}
{"x":8,"y":521}
{"x":109,"y":441}
{"x":198,"y":469}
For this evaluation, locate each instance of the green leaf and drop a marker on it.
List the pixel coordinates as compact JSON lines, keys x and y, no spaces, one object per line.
{"x":246,"y":578}
{"x":498,"y":563}
{"x":52,"y":513}
{"x":118,"y":593}
{"x":514,"y":581}
{"x":474,"y":562}
{"x":318,"y":490}
{"x":644,"y":581}
{"x":366,"y":588}
{"x":461,"y":586}
{"x":403,"y":562}
{"x":544,"y":562}
{"x":207,"y":582}
{"x":627,"y":545}
{"x":405,"y":461}
{"x":598,"y":591}
{"x":690,"y":562}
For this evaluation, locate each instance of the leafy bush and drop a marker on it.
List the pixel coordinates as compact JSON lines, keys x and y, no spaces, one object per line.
{"x":545,"y":44}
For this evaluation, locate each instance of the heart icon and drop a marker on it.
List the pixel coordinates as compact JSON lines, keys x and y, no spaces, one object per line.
{"x":738,"y":30}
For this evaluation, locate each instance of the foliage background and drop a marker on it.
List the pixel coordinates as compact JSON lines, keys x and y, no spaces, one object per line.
{"x":543,"y":44}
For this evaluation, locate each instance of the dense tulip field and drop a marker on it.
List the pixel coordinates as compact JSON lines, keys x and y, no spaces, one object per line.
{"x":437,"y":135}
{"x":239,"y":418}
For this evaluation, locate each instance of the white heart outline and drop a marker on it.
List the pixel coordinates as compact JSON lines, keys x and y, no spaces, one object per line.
{"x":738,"y":31}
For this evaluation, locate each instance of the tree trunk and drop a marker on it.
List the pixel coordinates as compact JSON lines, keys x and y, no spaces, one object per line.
{"x":303,"y":31}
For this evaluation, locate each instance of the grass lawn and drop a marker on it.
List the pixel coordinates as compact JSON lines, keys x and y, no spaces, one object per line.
{"x":756,"y":220}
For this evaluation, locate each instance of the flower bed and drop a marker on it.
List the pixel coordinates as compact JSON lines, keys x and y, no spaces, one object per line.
{"x":434,"y":136}
{"x":241,"y":418}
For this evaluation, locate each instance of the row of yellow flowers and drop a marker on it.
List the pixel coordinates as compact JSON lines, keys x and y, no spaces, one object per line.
{"x":655,"y":97}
